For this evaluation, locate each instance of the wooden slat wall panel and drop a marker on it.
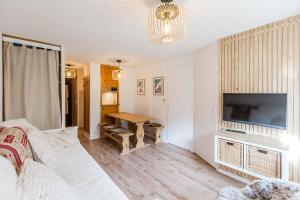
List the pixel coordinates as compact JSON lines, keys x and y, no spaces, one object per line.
{"x":264,"y":60}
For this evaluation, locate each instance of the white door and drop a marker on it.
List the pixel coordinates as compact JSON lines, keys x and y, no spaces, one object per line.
{"x":180,"y":105}
{"x":205,"y":102}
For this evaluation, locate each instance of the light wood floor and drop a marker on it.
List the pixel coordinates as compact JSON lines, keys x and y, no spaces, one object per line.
{"x":159,"y":172}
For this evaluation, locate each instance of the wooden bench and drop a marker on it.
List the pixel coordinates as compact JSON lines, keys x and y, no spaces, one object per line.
{"x":153,"y":130}
{"x":119,"y":135}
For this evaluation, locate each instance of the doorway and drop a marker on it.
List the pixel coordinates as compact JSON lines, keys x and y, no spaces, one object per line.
{"x":74,"y":96}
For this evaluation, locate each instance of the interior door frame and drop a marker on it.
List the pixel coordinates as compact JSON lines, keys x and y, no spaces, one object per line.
{"x":59,"y":48}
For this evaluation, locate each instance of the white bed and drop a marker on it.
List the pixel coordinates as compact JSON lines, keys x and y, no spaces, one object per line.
{"x":85,"y":176}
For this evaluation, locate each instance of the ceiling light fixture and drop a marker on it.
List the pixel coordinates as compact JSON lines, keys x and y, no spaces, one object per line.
{"x":70,"y":73}
{"x":167,"y":23}
{"x":116,"y":74}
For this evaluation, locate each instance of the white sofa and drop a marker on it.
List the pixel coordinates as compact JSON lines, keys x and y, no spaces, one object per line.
{"x":84,"y":175}
{"x":72,"y":163}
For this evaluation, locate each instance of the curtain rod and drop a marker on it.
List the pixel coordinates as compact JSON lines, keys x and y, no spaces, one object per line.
{"x":16,"y":39}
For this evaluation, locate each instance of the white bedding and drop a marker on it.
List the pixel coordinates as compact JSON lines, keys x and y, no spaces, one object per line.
{"x":85,"y":176}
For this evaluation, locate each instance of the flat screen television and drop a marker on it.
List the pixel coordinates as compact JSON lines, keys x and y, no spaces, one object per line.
{"x":268,"y":110}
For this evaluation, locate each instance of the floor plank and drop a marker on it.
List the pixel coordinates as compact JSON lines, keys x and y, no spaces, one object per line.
{"x":159,"y":172}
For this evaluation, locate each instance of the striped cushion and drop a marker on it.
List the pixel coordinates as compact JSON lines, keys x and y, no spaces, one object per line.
{"x":14,"y":145}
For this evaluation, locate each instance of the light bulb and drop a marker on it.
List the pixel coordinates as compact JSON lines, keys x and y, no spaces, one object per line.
{"x":119,"y":75}
{"x":167,"y":27}
{"x":167,"y":37}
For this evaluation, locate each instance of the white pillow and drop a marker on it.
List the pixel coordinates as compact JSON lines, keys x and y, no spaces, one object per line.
{"x":22,"y":123}
{"x":42,"y":148}
{"x":13,"y":122}
{"x":8,"y":180}
{"x":37,"y":182}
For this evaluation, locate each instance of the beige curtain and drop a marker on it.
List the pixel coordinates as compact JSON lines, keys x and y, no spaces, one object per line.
{"x":31,"y":85}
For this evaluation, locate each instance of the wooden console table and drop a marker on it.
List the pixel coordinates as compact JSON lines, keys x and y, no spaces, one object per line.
{"x":138,"y":120}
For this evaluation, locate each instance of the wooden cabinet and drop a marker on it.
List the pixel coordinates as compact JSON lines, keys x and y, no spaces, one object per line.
{"x":108,"y":85}
{"x":106,"y":78}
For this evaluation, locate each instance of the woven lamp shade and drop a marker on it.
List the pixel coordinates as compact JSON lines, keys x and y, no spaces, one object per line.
{"x":167,"y":23}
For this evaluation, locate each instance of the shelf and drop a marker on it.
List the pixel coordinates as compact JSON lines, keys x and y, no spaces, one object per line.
{"x":265,"y":149}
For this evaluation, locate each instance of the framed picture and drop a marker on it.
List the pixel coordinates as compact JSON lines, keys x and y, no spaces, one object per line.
{"x":158,"y":86}
{"x":141,"y":86}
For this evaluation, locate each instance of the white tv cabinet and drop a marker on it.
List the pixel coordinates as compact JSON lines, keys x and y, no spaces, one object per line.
{"x":259,"y":156}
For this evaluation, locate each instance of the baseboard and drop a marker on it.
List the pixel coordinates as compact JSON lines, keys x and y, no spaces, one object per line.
{"x":234,"y":176}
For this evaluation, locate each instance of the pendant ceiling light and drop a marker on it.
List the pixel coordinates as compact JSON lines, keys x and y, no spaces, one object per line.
{"x":167,"y":23}
{"x":116,"y":74}
{"x":70,"y":73}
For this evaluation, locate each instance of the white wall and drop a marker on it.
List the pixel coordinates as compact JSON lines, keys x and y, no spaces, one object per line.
{"x":173,"y":109}
{"x":205,"y":101}
{"x":127,"y":90}
{"x":149,"y":104}
{"x":188,"y":108}
{"x":94,"y":73}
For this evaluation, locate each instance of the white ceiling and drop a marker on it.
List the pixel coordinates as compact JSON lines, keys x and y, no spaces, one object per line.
{"x":98,"y":30}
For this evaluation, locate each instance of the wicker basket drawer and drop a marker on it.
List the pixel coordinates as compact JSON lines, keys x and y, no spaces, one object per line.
{"x":263,"y":161}
{"x":230,"y":152}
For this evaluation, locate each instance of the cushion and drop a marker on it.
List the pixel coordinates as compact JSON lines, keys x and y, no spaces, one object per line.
{"x":13,"y":122}
{"x":14,"y":145}
{"x":22,"y":123}
{"x":8,"y":179}
{"x":37,"y":182}
{"x":42,"y":148}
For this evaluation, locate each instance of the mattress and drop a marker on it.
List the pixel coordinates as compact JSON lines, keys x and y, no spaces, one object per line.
{"x":85,"y":176}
